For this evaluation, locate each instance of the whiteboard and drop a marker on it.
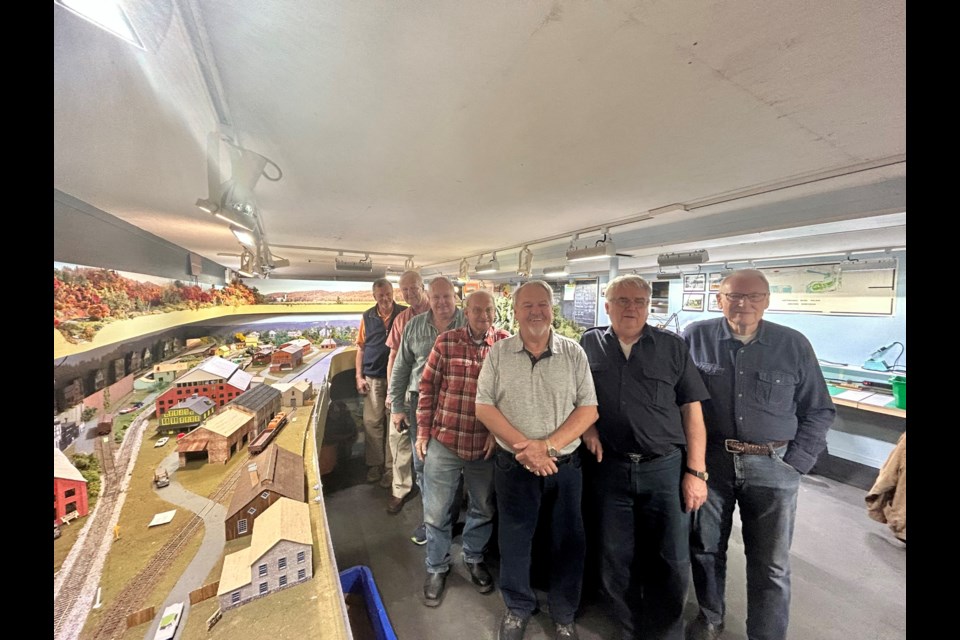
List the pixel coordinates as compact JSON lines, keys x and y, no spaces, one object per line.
{"x":833,"y":289}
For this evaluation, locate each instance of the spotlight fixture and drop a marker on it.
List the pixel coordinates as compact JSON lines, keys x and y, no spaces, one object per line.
{"x":685,"y":257}
{"x":488,"y":267}
{"x":604,"y":248}
{"x":525,"y":266}
{"x":408,"y":264}
{"x":342,"y":264}
{"x":464,"y":270}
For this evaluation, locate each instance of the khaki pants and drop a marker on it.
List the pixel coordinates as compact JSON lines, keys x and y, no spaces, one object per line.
{"x":376,"y":421}
{"x":402,"y":454}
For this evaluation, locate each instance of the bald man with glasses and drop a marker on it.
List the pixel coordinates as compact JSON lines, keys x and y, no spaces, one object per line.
{"x":767,"y":421}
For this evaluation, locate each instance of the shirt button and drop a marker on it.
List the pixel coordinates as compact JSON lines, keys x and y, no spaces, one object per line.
{"x":741,"y":373}
{"x":739,"y":395}
{"x":741,"y":417}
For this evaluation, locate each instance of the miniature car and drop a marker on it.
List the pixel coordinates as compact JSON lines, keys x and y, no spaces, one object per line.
{"x":169,"y":622}
{"x":162,"y":441}
{"x":126,"y":410}
{"x":137,"y":405}
{"x":181,"y":435}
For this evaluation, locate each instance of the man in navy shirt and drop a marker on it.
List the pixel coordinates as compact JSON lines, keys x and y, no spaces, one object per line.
{"x":767,"y":421}
{"x":649,"y":442}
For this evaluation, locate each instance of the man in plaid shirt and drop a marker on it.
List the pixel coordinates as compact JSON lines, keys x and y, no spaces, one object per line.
{"x":452,"y":441}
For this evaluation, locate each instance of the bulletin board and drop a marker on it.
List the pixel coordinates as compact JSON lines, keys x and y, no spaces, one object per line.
{"x":869,"y":289}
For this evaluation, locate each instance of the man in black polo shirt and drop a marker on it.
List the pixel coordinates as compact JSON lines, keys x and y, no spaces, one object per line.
{"x":650,"y":443}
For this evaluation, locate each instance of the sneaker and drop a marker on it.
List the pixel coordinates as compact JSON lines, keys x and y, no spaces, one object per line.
{"x":419,"y":536}
{"x":386,"y":481}
{"x":373,"y":473}
{"x":567,"y":632}
{"x":512,"y":626}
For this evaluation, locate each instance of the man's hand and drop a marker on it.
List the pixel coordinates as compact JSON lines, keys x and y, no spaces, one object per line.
{"x":694,"y":492}
{"x":399,"y":421}
{"x":489,"y":446}
{"x":532,"y":454}
{"x":362,"y":386}
{"x":591,"y":438}
{"x":421,"y":447}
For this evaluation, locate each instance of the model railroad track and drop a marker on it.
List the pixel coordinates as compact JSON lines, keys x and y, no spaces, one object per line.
{"x":73,"y":583}
{"x":134,"y":595}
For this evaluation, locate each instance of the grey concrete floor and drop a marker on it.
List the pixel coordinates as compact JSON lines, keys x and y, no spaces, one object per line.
{"x":849,"y":572}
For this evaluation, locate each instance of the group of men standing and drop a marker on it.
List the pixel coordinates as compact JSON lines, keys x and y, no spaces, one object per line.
{"x":682,"y":430}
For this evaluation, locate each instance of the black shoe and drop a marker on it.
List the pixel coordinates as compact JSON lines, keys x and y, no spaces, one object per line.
{"x":419,"y":535}
{"x":512,"y":626}
{"x":700,"y":629}
{"x":480,"y":576}
{"x":433,"y":588}
{"x":567,"y":632}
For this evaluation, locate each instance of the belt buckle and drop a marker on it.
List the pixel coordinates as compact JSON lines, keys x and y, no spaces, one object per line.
{"x":728,"y":442}
{"x":636,"y":457}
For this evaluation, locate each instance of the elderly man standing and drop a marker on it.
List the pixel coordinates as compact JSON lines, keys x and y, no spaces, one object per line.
{"x":405,"y":465}
{"x":651,"y":467}
{"x":415,"y":346}
{"x":451,"y":441}
{"x":767,"y":421}
{"x":371,"y":374}
{"x":536,"y":395}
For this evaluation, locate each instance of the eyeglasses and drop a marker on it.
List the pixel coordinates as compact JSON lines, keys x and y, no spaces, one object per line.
{"x":623,"y":303}
{"x":752,"y":297}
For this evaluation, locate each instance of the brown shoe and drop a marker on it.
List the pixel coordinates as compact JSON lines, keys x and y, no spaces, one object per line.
{"x":394,"y":505}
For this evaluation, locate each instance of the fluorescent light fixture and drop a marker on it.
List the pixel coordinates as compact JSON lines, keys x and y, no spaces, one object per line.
{"x":556,"y":272}
{"x":106,"y":14}
{"x":685,"y":257}
{"x":342,"y":264}
{"x":669,"y":276}
{"x":244,"y":236}
{"x":603,"y":248}
{"x":488,"y":267}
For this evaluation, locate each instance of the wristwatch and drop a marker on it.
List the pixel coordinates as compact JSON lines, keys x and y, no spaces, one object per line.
{"x":703,"y":475}
{"x":551,"y":451}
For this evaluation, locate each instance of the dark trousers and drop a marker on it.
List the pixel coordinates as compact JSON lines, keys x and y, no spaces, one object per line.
{"x":521,"y":496}
{"x":644,"y":534}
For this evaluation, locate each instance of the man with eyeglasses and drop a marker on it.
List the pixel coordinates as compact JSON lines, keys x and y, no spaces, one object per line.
{"x":767,"y":421}
{"x":649,"y":442}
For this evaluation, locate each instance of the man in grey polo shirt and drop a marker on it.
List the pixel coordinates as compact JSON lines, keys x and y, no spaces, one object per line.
{"x":536,"y":395}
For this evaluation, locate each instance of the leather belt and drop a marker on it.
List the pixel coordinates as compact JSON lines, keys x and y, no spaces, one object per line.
{"x":751,"y":448}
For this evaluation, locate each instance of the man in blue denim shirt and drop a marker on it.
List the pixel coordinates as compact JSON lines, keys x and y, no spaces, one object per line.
{"x":767,"y":421}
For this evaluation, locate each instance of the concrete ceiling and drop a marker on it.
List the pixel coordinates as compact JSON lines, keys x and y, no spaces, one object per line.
{"x":444,"y":130}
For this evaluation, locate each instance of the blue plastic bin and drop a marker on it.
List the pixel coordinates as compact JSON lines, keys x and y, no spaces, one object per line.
{"x":359,"y":579}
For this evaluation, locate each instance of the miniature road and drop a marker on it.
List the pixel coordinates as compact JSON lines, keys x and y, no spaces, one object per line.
{"x":211,"y":549}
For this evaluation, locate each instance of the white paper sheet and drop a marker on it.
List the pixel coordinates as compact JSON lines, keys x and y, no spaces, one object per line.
{"x":853,"y":395}
{"x":878,"y":400}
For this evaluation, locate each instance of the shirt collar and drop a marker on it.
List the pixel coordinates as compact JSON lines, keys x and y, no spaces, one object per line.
{"x":727,"y":334}
{"x":551,"y":342}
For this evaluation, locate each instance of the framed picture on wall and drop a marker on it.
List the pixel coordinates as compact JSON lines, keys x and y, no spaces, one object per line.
{"x":712,"y":304}
{"x":693,"y":302}
{"x":713,"y":281}
{"x":694,"y":282}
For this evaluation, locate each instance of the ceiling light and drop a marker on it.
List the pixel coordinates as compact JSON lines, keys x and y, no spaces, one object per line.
{"x":342,"y":264}
{"x":244,"y":236}
{"x":525,"y":266}
{"x":488,"y":267}
{"x":407,"y":264}
{"x":668,"y":276}
{"x":556,"y":272}
{"x":602,"y":249}
{"x":684,"y":257}
{"x":868,"y":265}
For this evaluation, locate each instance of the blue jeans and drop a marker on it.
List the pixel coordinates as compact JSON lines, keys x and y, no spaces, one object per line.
{"x":645,"y":544}
{"x":765,"y":488}
{"x":441,"y":474}
{"x":520,"y":498}
{"x":417,"y":462}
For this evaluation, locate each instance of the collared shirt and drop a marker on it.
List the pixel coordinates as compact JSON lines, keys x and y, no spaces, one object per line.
{"x":396,"y":332}
{"x":448,"y":389}
{"x":415,"y":346}
{"x":770,"y":389}
{"x":536,"y":395}
{"x":640,"y":396}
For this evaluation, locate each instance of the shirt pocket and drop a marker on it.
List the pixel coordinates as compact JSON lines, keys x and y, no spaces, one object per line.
{"x":776,"y":389}
{"x":656,"y":386}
